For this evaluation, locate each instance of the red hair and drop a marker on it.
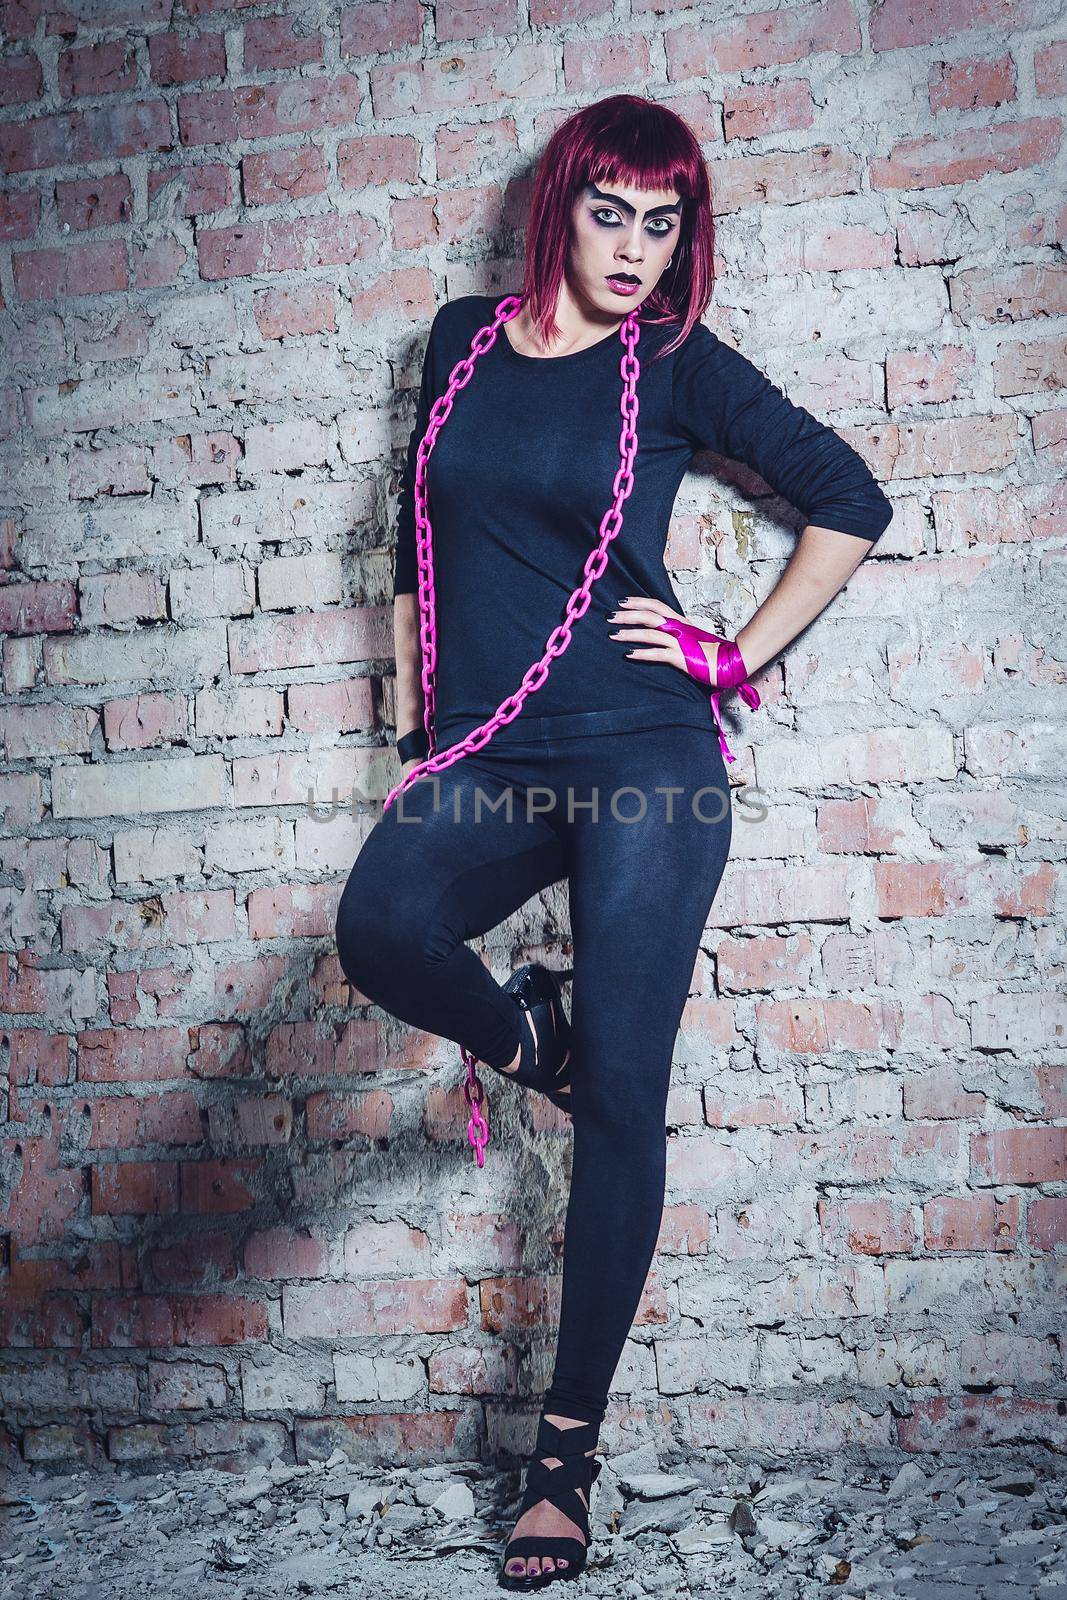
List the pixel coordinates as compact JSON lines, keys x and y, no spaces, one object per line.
{"x":626,"y":140}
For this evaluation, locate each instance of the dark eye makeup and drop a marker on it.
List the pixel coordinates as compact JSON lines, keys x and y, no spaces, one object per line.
{"x":658,"y":233}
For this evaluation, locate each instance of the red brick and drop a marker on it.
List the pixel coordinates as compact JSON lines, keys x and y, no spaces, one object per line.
{"x":938,"y":1092}
{"x":97,"y":69}
{"x":98,"y":268}
{"x":95,"y":202}
{"x":48,"y":607}
{"x":920,"y":889}
{"x":377,"y":159}
{"x":899,"y":24}
{"x":158,"y":985}
{"x":591,"y":65}
{"x":281,"y":42}
{"x":818,"y":1025}
{"x":250,"y":1121}
{"x":371,"y":30}
{"x":374,"y":1306}
{"x":311,"y":308}
{"x":131,"y":1055}
{"x":48,"y":1195}
{"x":105,"y":1264}
{"x":1049,"y":430}
{"x":1050,"y":68}
{"x":183,"y":917}
{"x":156,"y":263}
{"x":100,"y":133}
{"x":200,"y":1261}
{"x":868,"y":1227}
{"x":1009,"y":293}
{"x":972,"y":153}
{"x":761,"y":961}
{"x":259,"y":111}
{"x":20,"y":215}
{"x":285,"y":245}
{"x":50,"y":1322}
{"x":745,"y":1107}
{"x":295,"y":1049}
{"x":404,"y":88}
{"x":383,"y":1437}
{"x":950,"y":1423}
{"x":1034,"y":367}
{"x":186,"y":58}
{"x":211,"y":1188}
{"x":971,"y":1222}
{"x":1046,"y":1222}
{"x":141,"y":721}
{"x":289,"y":911}
{"x":123,"y":1122}
{"x":784,"y":178}
{"x":685,"y":1229}
{"x":283,"y":1253}
{"x":1020,"y":1155}
{"x":345,"y":706}
{"x":334,"y":1116}
{"x":766,"y":38}
{"x":408,"y":291}
{"x":284,"y":174}
{"x":221,"y":1050}
{"x":967,"y":85}
{"x":206,"y":188}
{"x":21,"y":80}
{"x":768,"y":108}
{"x":138,"y":1321}
{"x":135,"y":1188}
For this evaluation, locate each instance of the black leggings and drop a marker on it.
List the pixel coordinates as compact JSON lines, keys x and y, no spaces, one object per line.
{"x":642,"y":871}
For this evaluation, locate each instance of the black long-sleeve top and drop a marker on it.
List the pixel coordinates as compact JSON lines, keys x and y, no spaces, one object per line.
{"x":518,"y":482}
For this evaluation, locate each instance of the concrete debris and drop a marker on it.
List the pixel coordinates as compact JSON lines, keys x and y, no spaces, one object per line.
{"x":457,"y":1501}
{"x":973,"y":1528}
{"x":655,"y":1485}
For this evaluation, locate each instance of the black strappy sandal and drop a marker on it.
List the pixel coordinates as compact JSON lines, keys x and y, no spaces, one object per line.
{"x":544,"y":1062}
{"x":560,"y":1486}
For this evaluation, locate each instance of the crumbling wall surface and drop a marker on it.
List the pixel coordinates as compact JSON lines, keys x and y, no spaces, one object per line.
{"x":239,"y":1217}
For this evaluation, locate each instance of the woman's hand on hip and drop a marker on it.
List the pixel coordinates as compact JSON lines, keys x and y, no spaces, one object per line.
{"x":642,"y":618}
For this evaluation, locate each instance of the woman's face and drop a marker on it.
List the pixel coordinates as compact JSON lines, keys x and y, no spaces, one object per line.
{"x":621,"y":231}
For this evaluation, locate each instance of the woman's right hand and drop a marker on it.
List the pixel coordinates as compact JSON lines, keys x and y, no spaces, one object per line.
{"x":409,"y":766}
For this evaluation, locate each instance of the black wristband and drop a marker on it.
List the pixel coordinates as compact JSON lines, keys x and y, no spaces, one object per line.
{"x":413,"y":745}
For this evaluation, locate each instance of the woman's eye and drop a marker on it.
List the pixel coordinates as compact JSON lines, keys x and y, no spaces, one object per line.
{"x":658,"y":232}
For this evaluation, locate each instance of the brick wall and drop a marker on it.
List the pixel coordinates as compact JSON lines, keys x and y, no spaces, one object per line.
{"x":239,"y":1212}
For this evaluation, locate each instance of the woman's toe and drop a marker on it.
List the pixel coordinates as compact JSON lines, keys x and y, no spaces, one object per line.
{"x":516,"y":1567}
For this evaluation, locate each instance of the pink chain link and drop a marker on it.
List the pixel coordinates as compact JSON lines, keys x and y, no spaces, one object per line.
{"x":559,"y":639}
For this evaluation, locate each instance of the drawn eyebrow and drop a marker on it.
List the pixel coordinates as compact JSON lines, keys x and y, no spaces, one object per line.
{"x":624,"y":205}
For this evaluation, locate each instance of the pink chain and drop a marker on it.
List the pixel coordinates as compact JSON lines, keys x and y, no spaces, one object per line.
{"x":559,"y":639}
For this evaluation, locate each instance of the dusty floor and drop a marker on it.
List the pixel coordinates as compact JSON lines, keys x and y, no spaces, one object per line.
{"x":970,"y":1528}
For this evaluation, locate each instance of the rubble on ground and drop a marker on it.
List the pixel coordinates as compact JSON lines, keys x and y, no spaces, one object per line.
{"x":975,"y":1527}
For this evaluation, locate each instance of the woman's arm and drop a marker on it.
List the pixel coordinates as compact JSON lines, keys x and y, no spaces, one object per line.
{"x":817,"y":570}
{"x":410,"y":700}
{"x":723,"y":402}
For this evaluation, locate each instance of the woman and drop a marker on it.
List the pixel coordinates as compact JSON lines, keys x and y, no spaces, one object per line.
{"x":521,"y":471}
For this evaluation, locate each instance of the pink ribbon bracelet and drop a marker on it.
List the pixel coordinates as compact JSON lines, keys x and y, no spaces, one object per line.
{"x":730,"y":669}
